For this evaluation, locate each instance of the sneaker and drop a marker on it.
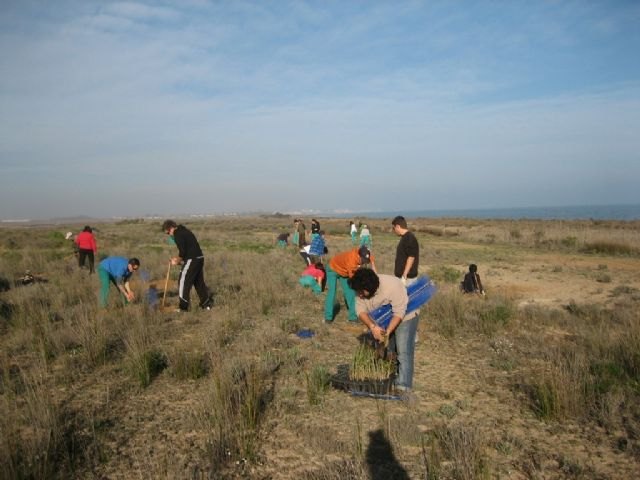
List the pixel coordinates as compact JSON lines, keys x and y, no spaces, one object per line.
{"x":208,"y":304}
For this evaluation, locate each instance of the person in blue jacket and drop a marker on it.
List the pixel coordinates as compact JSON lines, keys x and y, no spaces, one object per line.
{"x":116,"y":270}
{"x":318,"y":247}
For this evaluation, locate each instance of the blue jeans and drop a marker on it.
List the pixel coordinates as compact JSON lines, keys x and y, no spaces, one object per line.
{"x":349,"y":295}
{"x":405,"y":334}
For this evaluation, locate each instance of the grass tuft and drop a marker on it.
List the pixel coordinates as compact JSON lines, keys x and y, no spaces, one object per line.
{"x":610,"y":248}
{"x":188,"y":365}
{"x":147,"y":366}
{"x":318,"y":381}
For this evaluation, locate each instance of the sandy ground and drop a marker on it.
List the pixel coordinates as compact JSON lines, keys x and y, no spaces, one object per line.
{"x":153,"y":434}
{"x":455,"y":383}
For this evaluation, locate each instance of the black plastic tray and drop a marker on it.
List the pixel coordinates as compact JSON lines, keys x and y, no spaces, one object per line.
{"x":342,"y":381}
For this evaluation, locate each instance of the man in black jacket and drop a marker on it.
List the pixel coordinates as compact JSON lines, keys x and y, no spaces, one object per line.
{"x":192,"y":260}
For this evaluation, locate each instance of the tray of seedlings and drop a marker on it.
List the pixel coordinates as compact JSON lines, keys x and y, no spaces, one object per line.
{"x":371,"y":373}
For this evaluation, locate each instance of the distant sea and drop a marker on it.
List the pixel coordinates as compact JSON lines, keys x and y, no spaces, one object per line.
{"x":595,"y":212}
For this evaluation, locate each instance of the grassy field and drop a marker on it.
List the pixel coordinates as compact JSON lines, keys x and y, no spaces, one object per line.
{"x":539,"y":379}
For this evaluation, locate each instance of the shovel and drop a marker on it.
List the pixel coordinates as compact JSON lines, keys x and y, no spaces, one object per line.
{"x":166,"y":284}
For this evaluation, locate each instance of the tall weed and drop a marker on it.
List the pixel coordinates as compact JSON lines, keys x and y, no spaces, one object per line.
{"x":31,"y":432}
{"x":452,"y":312}
{"x":231,"y":410}
{"x":318,"y":380}
{"x":463,"y":449}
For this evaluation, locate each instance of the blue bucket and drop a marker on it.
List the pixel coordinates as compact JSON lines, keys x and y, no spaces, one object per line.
{"x":419,"y":293}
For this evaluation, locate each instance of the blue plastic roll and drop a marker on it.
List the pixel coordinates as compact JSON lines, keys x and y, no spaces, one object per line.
{"x":419,"y":293}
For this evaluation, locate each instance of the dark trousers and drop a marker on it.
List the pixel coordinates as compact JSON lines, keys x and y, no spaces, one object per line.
{"x":306,"y":257}
{"x":82,"y":254}
{"x":192,"y":275}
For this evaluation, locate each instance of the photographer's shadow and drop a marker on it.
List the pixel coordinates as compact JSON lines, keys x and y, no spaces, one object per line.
{"x":380,"y":459}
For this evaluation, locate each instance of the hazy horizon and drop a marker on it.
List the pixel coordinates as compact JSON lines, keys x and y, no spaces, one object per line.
{"x":600,"y":212}
{"x":118,"y":109}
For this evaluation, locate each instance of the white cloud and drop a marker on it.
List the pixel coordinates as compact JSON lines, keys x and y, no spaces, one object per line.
{"x":234,"y":101}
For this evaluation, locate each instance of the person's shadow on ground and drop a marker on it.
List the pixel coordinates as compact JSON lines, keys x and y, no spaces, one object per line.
{"x":381,"y":461}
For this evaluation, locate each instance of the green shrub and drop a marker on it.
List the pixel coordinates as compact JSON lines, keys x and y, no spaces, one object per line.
{"x":4,"y":284}
{"x":448,"y":410}
{"x":569,"y":242}
{"x":147,"y":366}
{"x":463,"y":449}
{"x":623,"y":290}
{"x":56,"y":239}
{"x":495,"y":315}
{"x":317,"y":384}
{"x":289,"y":325}
{"x":445,"y":274}
{"x":231,"y":410}
{"x":610,"y":248}
{"x":188,"y":365}
{"x":545,"y":401}
{"x":606,"y":376}
{"x":452,"y":312}
{"x":260,"y":248}
{"x":446,"y":312}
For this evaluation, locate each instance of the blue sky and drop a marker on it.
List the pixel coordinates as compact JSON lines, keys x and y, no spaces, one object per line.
{"x":194,"y":106}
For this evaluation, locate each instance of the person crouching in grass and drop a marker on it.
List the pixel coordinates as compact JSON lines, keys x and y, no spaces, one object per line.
{"x":314,"y":277}
{"x":116,"y":270}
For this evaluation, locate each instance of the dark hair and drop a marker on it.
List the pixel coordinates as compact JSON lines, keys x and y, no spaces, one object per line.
{"x":134,"y":261}
{"x":365,"y":279}
{"x":87,"y":228}
{"x":473,"y":268}
{"x":400,"y":221}
{"x":168,"y":224}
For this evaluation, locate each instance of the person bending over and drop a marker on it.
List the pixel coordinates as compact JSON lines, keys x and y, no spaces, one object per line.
{"x":191,"y":258}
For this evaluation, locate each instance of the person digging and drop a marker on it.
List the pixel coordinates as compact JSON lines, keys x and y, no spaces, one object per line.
{"x":191,"y":258}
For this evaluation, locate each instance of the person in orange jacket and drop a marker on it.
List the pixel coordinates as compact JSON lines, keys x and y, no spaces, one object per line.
{"x":341,"y":268}
{"x":87,"y":247}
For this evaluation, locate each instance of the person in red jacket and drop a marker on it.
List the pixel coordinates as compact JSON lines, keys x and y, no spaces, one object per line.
{"x":86,"y":247}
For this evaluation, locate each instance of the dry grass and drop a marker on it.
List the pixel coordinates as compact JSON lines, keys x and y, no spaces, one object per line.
{"x":132,"y":392}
